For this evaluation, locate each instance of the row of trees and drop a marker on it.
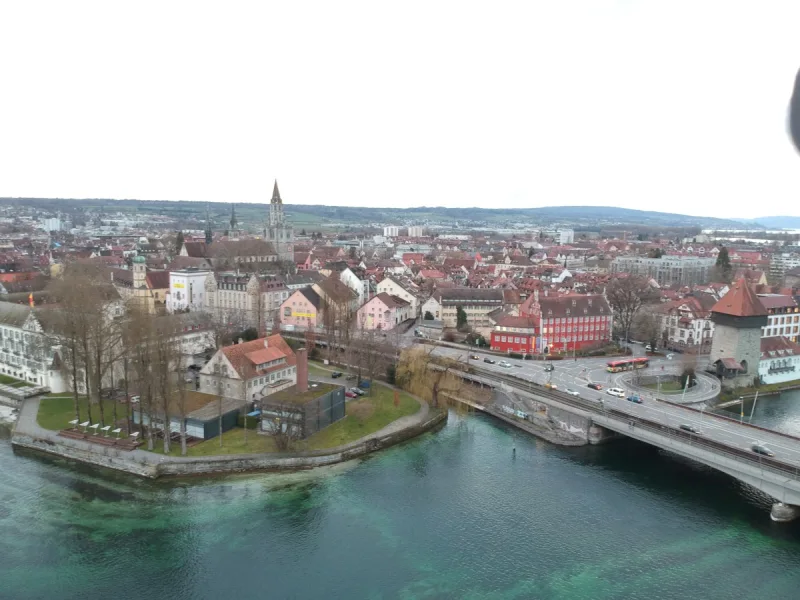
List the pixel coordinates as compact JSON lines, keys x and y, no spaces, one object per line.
{"x":107,"y":346}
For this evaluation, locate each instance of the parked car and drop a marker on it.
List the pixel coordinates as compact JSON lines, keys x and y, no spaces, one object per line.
{"x":505,"y":364}
{"x":594,"y":386}
{"x":350,"y":377}
{"x":635,"y":399}
{"x":349,"y":394}
{"x":135,"y":399}
{"x":357,"y":391}
{"x":572,"y":392}
{"x":336,"y":374}
{"x":619,"y":393}
{"x":648,"y":348}
{"x":188,"y":379}
{"x":364,"y":384}
{"x":670,"y":356}
{"x":690,"y":428}
{"x":474,"y":357}
{"x":548,"y":367}
{"x":759,"y":448}
{"x":491,"y":361}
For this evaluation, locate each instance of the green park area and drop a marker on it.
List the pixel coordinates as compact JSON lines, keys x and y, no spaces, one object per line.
{"x":667,"y":387}
{"x":364,"y":415}
{"x":57,"y":410}
{"x":6,"y":380}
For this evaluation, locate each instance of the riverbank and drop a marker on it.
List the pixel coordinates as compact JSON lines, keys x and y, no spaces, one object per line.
{"x":29,"y":435}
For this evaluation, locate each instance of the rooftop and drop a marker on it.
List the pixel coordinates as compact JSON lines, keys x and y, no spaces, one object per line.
{"x":291,"y":395}
{"x":740,"y":301}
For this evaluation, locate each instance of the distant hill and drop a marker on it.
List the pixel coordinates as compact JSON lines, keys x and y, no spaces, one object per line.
{"x":311,"y":215}
{"x":779,"y":222}
{"x":576,"y":215}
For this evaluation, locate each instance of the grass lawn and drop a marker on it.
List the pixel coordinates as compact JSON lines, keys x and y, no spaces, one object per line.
{"x":365,"y":415}
{"x":57,"y":410}
{"x":14,"y":382}
{"x":232,"y":443}
{"x":667,"y":387}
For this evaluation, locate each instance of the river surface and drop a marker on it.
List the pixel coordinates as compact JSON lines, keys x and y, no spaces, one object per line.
{"x":453,"y":514}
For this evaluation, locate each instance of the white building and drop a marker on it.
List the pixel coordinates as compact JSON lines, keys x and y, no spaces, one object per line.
{"x":402,"y":288}
{"x":187,"y":290}
{"x":780,"y":360}
{"x":784,"y":316}
{"x":29,"y":349}
{"x":566,"y":236}
{"x":782,"y":262}
{"x":50,"y":224}
{"x":359,"y":286}
{"x":391,"y":231}
{"x":416,"y":231}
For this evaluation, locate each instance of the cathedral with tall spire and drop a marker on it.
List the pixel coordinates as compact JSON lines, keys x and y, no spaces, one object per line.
{"x":278,"y":232}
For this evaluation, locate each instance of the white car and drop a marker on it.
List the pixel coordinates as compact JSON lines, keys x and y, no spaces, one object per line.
{"x":670,"y":356}
{"x":619,"y":393}
{"x":572,"y":392}
{"x":505,"y":364}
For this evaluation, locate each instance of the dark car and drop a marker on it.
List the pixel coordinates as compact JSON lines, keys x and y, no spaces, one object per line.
{"x":474,"y":357}
{"x":690,"y":428}
{"x":762,"y":449}
{"x":336,"y":374}
{"x":491,"y":361}
{"x":350,"y":377}
{"x":595,"y":386}
{"x":635,"y":399}
{"x":548,"y":368}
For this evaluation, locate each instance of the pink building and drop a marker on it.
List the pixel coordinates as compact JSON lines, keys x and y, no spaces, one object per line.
{"x":301,"y":310}
{"x":383,"y":312}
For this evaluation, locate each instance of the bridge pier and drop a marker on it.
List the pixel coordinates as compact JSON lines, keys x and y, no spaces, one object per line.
{"x":783,"y":513}
{"x":600,"y":435}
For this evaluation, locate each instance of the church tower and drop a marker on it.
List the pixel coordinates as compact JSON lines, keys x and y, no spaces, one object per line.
{"x":736,"y":346}
{"x":234,"y":231}
{"x":209,"y":234}
{"x":141,"y":294}
{"x":278,"y":232}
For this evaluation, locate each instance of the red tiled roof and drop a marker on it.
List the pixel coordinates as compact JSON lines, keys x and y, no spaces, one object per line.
{"x":740,"y":301}
{"x":239,"y":355}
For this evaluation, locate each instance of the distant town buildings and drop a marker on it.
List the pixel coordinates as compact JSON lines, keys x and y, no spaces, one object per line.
{"x":667,"y":270}
{"x":391,"y":231}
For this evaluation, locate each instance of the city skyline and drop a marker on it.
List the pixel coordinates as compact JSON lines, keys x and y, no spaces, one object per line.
{"x":627,"y":104}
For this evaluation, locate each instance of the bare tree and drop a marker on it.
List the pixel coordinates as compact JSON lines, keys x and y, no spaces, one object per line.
{"x":430,"y":377}
{"x":647,"y":327}
{"x":283,"y":422}
{"x":626,"y":295}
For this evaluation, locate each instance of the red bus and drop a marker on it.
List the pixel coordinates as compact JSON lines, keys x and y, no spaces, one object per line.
{"x":626,"y":364}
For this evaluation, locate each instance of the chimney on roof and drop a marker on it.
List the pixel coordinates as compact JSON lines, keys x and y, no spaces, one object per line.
{"x":266,"y":342}
{"x":241,"y":341}
{"x":301,"y":370}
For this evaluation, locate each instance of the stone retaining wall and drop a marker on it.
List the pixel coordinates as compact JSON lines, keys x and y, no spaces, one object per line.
{"x":156,"y":465}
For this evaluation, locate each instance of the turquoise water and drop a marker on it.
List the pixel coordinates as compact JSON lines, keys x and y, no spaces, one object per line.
{"x":453,"y":514}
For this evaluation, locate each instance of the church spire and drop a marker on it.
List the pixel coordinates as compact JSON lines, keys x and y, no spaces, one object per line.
{"x":276,"y":195}
{"x":209,"y":235}
{"x":234,"y":222}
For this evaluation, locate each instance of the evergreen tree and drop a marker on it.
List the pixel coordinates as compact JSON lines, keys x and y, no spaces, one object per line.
{"x":461,"y":317}
{"x":179,"y":242}
{"x":723,"y":267}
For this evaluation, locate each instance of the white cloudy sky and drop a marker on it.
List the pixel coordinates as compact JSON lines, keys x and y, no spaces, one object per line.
{"x":677,"y":106}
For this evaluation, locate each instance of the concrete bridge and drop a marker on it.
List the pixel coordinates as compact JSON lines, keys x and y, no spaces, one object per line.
{"x":721,"y":443}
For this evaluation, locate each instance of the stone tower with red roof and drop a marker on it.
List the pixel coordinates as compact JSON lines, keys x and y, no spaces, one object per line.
{"x":736,"y":347}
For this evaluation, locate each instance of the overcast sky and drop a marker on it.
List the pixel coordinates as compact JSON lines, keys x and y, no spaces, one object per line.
{"x":677,"y":106}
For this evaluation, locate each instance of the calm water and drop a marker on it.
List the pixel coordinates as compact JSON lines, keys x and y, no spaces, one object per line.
{"x":451,"y":515}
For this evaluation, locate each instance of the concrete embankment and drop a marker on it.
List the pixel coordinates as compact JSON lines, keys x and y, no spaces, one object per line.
{"x":151,"y":465}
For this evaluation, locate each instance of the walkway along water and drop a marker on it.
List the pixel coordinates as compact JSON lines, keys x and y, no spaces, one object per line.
{"x":29,"y":435}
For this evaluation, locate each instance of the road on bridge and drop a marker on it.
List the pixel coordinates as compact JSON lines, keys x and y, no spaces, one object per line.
{"x":576,"y":375}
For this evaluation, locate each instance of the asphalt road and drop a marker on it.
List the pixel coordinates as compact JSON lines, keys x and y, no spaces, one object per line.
{"x":576,"y":375}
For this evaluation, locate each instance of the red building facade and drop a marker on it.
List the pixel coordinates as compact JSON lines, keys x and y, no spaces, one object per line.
{"x":570,"y":323}
{"x":514,"y":334}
